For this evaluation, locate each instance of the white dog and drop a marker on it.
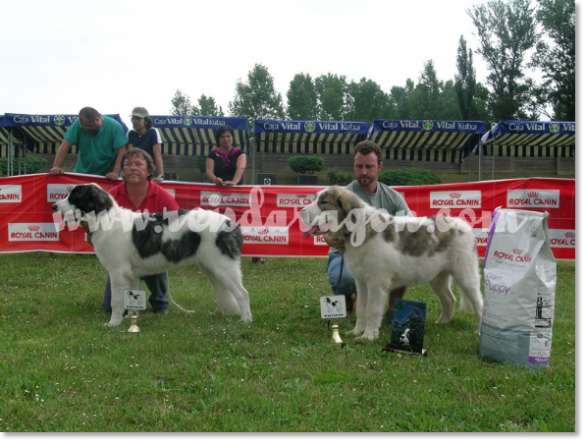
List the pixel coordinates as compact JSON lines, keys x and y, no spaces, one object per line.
{"x":383,"y":252}
{"x":131,"y":245}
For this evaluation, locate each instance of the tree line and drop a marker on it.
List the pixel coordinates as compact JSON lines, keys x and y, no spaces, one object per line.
{"x":514,"y":39}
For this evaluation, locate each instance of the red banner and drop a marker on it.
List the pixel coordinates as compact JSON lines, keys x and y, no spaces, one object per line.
{"x":269,"y":215}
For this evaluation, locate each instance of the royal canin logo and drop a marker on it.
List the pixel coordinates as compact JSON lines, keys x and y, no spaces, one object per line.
{"x":263,"y":231}
{"x":518,"y":251}
{"x":533,"y":194}
{"x":455,"y":195}
{"x":69,"y":188}
{"x":34,"y":228}
{"x":570,"y":234}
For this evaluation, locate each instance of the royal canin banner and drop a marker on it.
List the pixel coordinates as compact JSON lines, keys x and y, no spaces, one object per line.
{"x":269,"y":215}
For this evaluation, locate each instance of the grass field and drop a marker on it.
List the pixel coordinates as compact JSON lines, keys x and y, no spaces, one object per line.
{"x":61,"y":370}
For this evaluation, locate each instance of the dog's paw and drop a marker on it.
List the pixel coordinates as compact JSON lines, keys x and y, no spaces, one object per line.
{"x":370,"y":336}
{"x":111,"y":325}
{"x":247,"y":318}
{"x":355,"y":331}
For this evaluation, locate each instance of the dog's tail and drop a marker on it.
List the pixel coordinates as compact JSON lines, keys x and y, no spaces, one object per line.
{"x":179,"y":307}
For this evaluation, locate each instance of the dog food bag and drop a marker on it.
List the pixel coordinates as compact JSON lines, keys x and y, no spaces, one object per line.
{"x":519,"y":289}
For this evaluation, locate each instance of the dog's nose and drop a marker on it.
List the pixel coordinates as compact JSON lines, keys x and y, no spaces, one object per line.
{"x":54,"y":207}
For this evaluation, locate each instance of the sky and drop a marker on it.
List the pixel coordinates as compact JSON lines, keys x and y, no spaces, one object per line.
{"x":60,"y":56}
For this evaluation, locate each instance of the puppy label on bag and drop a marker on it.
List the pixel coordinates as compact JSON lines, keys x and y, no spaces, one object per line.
{"x":135,"y":300}
{"x":333,"y":306}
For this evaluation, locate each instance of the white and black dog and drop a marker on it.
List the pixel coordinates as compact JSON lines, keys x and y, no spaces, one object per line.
{"x":131,"y":245}
{"x":383,"y":252}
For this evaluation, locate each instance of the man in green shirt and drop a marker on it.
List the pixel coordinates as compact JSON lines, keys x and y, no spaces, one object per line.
{"x":367,"y":165}
{"x":99,"y":140}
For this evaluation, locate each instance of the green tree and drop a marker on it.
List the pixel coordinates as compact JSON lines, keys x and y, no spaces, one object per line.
{"x":506,"y":31}
{"x":332,"y":92}
{"x":257,"y":99}
{"x":426,"y":96}
{"x":207,"y":106}
{"x":557,"y":59}
{"x":367,"y":101}
{"x":479,"y":110}
{"x":465,"y":83}
{"x":403,"y":99}
{"x":302,"y":98}
{"x":449,"y":108}
{"x":182,"y":104}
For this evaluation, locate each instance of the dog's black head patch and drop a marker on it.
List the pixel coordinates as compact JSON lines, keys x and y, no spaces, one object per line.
{"x":90,"y":198}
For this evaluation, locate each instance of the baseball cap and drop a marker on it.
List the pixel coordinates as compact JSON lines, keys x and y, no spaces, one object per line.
{"x":140,"y":112}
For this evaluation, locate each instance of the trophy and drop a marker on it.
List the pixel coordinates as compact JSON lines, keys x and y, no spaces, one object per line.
{"x":333,"y":307}
{"x":133,"y":326}
{"x":134,"y":300}
{"x":336,"y":335}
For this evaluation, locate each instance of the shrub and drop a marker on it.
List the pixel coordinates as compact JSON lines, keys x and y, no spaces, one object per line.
{"x":306,"y":164}
{"x":338,"y":177}
{"x":200,"y":160}
{"x":33,"y":165}
{"x":399,"y":177}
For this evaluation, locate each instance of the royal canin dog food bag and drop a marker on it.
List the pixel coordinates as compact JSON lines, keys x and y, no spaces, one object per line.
{"x":519,"y":289}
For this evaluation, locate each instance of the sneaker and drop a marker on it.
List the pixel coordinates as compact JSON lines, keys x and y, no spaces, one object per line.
{"x":162,"y":311}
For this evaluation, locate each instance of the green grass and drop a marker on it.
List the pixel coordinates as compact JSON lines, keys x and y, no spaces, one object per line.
{"x":62,"y":370}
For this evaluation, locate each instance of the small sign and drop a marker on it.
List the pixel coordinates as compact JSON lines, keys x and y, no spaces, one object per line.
{"x":135,"y":300}
{"x":333,"y":306}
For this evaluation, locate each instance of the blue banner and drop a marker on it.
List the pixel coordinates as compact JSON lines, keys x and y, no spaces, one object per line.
{"x":463,"y":127}
{"x":309,"y":127}
{"x":531,"y":127}
{"x":49,"y":120}
{"x":199,"y":122}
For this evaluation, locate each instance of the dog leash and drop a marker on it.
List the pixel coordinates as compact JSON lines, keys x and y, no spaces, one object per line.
{"x":340,"y":276}
{"x":173,"y":301}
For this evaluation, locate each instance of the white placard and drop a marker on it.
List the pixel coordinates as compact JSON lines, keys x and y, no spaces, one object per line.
{"x":333,"y":306}
{"x":135,"y":300}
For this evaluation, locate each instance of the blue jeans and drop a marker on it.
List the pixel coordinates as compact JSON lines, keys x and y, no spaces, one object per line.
{"x":157,"y":284}
{"x":342,"y":283}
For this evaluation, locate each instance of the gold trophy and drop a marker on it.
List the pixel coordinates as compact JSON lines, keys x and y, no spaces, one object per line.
{"x":133,"y":326}
{"x":336,"y":335}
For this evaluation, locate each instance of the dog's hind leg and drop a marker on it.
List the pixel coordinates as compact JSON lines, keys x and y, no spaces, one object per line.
{"x":120,"y":281}
{"x":441,"y":287}
{"x":231,"y":296}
